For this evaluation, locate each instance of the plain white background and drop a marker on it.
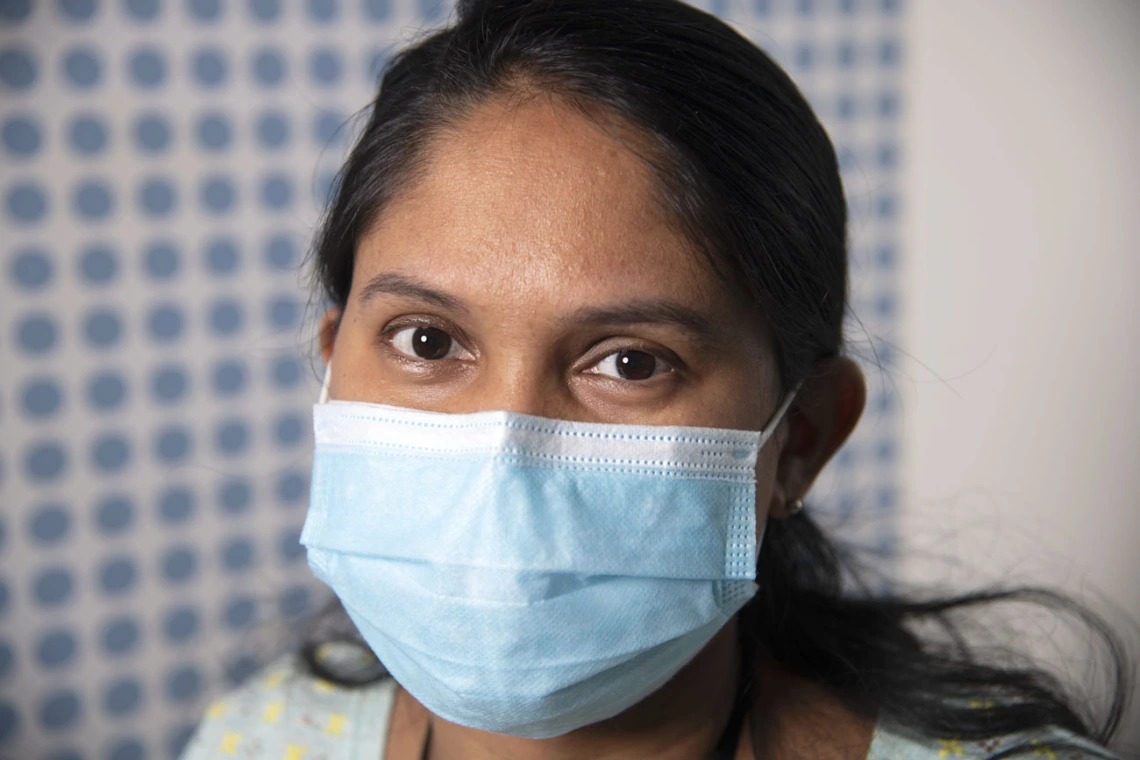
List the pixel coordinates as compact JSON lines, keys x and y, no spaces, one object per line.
{"x":1022,"y":419}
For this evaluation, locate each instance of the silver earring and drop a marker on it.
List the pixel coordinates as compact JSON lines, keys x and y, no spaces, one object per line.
{"x":795,"y":507}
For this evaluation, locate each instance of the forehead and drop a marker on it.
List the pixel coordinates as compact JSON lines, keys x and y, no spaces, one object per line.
{"x":534,"y":199}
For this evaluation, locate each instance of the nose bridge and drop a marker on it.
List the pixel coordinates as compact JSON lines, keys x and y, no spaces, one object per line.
{"x":524,"y":383}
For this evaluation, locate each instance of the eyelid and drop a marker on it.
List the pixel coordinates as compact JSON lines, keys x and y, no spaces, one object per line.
{"x":391,"y":330}
{"x":672,"y":365}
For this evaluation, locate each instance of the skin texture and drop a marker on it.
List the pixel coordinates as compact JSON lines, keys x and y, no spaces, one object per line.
{"x":529,"y":219}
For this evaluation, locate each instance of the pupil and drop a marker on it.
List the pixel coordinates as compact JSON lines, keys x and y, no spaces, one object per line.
{"x":635,"y":365}
{"x":430,"y":343}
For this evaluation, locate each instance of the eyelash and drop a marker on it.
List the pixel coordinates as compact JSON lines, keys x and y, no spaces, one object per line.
{"x":389,"y":334}
{"x":670,"y":369}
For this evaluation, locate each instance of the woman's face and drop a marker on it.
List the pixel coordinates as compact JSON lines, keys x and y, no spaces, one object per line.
{"x":531,"y":270}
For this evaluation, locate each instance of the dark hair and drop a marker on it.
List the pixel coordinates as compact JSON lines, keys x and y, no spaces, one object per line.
{"x":751,"y":177}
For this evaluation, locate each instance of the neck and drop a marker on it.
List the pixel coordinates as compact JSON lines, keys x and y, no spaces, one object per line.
{"x":682,"y":719}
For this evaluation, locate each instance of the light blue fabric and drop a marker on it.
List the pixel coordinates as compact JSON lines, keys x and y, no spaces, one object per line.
{"x":525,"y":575}
{"x":285,"y":714}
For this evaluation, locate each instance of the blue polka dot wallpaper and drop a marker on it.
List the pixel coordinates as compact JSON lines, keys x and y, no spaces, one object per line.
{"x":163,"y":164}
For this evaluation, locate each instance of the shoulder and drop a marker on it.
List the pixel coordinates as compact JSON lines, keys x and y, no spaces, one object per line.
{"x":285,"y":712}
{"x":1051,"y":742}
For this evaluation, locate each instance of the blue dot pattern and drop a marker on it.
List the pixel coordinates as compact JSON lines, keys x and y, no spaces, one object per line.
{"x":163,"y":164}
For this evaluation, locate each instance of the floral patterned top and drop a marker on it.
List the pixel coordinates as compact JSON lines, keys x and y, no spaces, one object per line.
{"x":284,"y":713}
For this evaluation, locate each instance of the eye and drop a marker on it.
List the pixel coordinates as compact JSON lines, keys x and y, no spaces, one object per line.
{"x":631,"y":364}
{"x":424,"y":342}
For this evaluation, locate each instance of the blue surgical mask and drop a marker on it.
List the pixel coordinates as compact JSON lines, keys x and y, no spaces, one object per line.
{"x":530,"y":576}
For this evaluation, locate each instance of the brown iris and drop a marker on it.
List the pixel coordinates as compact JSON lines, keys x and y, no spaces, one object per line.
{"x":635,"y":365}
{"x":430,"y":343}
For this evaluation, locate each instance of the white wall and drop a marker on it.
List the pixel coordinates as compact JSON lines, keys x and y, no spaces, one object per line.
{"x":1023,"y":408}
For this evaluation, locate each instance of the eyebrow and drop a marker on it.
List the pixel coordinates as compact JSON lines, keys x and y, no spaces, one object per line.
{"x":404,"y":286}
{"x":648,"y":311}
{"x":637,"y":311}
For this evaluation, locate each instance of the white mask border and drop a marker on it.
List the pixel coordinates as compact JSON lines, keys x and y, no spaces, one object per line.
{"x":765,"y":432}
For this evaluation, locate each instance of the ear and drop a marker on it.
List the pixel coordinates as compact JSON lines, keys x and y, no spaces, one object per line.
{"x":330,"y":322}
{"x":825,"y":411}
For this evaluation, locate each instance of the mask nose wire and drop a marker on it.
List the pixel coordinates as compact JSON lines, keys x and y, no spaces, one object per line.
{"x":765,"y":433}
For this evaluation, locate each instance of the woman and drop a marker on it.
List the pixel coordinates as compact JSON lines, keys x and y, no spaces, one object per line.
{"x":587,"y":267}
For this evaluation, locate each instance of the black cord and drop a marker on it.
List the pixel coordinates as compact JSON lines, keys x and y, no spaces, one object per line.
{"x":727,"y":744}
{"x":427,"y":741}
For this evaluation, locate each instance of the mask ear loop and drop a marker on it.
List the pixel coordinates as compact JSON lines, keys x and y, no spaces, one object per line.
{"x":323,"y":398}
{"x":777,"y":415}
